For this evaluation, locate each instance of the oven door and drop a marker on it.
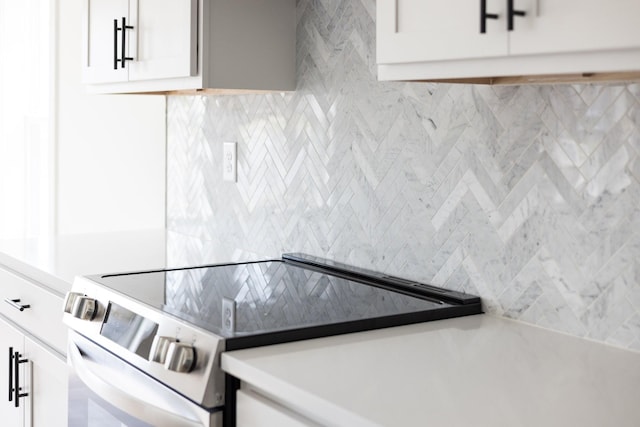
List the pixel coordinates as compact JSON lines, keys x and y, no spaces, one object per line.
{"x":105,"y":391}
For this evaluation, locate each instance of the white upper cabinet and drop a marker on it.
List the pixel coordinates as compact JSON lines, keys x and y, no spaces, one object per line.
{"x":102,"y":41}
{"x":554,"y":26}
{"x":435,"y":30}
{"x":166,"y":41}
{"x":159,"y":40}
{"x":185,"y":45}
{"x":482,"y":40}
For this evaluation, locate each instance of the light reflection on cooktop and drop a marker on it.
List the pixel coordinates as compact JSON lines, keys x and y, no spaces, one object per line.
{"x":269,"y":296}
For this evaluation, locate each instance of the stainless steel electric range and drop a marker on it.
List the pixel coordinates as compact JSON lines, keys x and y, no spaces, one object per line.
{"x":144,"y":347}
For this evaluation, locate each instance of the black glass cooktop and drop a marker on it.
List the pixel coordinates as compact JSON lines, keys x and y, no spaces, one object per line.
{"x":283,"y":300}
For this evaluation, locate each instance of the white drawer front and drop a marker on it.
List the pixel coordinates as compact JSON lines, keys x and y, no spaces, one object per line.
{"x":43,"y":318}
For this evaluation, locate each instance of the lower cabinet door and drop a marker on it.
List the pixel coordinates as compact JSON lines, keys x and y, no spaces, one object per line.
{"x":12,"y":340}
{"x":254,"y":410}
{"x":42,"y":377}
{"x":48,"y":384}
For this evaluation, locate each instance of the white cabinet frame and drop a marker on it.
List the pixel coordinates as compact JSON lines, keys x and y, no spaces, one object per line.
{"x":241,"y":45}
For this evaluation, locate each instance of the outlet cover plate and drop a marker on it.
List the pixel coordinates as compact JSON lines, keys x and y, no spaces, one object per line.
{"x":230,"y":161}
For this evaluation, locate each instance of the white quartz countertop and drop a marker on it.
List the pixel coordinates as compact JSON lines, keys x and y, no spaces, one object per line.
{"x":55,"y":261}
{"x":471,"y":371}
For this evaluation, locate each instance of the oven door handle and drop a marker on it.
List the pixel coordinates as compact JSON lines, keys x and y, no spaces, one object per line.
{"x":139,"y":405}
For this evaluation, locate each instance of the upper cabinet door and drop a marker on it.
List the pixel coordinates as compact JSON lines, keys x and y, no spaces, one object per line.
{"x":556,"y":26}
{"x":421,"y":30}
{"x":164,"y":40}
{"x":102,"y":44}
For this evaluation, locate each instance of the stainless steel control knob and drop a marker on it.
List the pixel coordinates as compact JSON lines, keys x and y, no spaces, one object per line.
{"x":181,"y":357}
{"x":70,"y":300}
{"x":84,"y":308}
{"x":160,"y":348}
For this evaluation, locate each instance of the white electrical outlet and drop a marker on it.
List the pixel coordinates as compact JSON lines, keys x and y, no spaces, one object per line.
{"x":228,"y":315}
{"x":230,"y":161}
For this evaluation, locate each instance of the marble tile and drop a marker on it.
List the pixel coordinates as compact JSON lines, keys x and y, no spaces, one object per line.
{"x":524,"y":301}
{"x":528,"y":196}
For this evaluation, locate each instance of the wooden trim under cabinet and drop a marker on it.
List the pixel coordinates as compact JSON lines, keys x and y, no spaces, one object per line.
{"x":191,"y":92}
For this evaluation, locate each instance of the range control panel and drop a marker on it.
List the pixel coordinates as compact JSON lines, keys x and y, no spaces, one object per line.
{"x":175,"y":353}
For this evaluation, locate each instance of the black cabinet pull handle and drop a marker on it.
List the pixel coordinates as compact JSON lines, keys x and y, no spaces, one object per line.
{"x":511,"y":12}
{"x":125,"y":27}
{"x":484,"y":16}
{"x":16,"y":371}
{"x":15,"y":303}
{"x":115,"y":44}
{"x":10,"y":374}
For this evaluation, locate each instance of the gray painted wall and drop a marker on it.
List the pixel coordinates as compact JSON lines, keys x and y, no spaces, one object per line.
{"x":528,"y":196}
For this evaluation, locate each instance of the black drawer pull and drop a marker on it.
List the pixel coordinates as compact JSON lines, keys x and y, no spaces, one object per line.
{"x":484,"y":16}
{"x":15,"y":303}
{"x":511,"y":12}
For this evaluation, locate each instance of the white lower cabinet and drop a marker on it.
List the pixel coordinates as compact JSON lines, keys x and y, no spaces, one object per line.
{"x":256,"y":410}
{"x":31,"y":329}
{"x":48,"y":381}
{"x":41,"y":381}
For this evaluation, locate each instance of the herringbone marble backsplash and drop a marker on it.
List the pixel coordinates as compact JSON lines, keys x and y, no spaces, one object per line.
{"x":527,"y":196}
